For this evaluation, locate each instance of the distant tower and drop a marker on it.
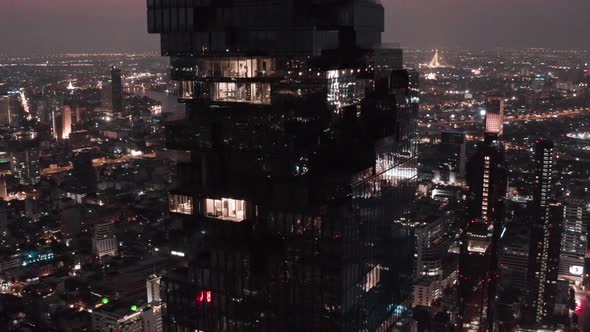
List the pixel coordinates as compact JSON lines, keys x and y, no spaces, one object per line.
{"x":66,"y":121}
{"x":10,"y":109}
{"x":71,"y":87}
{"x":107,"y":95}
{"x":117,"y":90}
{"x":435,"y":62}
{"x":4,"y":110}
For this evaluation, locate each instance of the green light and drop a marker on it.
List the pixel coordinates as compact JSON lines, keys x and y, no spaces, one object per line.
{"x":105,"y":301}
{"x":133,"y":308}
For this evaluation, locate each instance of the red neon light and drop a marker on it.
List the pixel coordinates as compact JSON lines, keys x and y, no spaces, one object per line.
{"x":204,"y":296}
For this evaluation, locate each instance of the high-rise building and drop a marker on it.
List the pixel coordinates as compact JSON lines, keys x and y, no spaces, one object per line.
{"x":303,"y":157}
{"x":70,"y":214}
{"x":55,"y":112}
{"x":153,"y":289}
{"x":452,"y":152}
{"x":104,"y":240}
{"x":4,"y":110}
{"x":107,"y":95}
{"x":549,"y":265}
{"x":151,"y":318}
{"x":435,"y":268}
{"x":66,"y":120}
{"x":25,"y":165}
{"x":494,"y":120}
{"x":540,"y":226}
{"x":84,"y":171}
{"x":478,"y":262}
{"x":574,"y":240}
{"x":10,"y":109}
{"x":117,"y":90}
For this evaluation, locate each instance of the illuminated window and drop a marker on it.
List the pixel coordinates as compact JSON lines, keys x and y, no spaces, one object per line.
{"x":254,"y":93}
{"x":372,"y":278}
{"x":186,"y":90}
{"x":226,"y":209}
{"x":239,"y":67}
{"x":180,"y":204}
{"x":204,"y":296}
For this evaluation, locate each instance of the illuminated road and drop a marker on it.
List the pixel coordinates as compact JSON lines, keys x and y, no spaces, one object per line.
{"x":97,"y":163}
{"x":123,"y":159}
{"x":515,"y":118}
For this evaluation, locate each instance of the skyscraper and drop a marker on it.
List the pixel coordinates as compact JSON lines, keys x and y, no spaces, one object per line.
{"x":303,"y":156}
{"x":478,"y":262}
{"x":117,"y":90}
{"x":549,"y":265}
{"x":66,"y":122}
{"x":107,"y":95}
{"x":540,"y":226}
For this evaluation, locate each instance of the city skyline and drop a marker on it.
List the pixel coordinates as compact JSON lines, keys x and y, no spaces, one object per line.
{"x":65,"y":26}
{"x":294,"y":165}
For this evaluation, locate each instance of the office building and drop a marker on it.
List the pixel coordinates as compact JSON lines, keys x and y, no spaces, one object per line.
{"x":153,"y":289}
{"x":84,"y":171}
{"x":10,"y":109}
{"x":494,"y":120}
{"x":151,"y":318}
{"x":540,"y":231}
{"x":303,"y":156}
{"x":107,"y":95}
{"x":514,"y":257}
{"x":25,"y":164}
{"x":574,"y":240}
{"x":435,"y":268}
{"x":104,"y":240}
{"x":70,"y":214}
{"x":116,"y":90}
{"x":549,"y":265}
{"x":66,"y":122}
{"x":55,"y":108}
{"x":452,"y":162}
{"x":478,"y":262}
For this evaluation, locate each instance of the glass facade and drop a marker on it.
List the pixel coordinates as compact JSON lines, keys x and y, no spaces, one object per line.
{"x":303,"y":161}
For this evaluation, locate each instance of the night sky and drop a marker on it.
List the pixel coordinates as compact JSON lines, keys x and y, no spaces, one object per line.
{"x":58,"y":26}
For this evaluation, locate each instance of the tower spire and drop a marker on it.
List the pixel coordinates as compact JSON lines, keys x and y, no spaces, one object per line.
{"x":435,"y":61}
